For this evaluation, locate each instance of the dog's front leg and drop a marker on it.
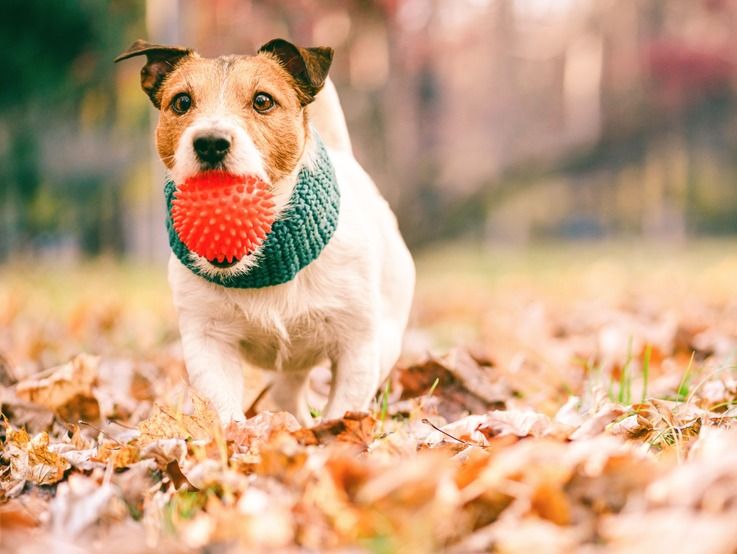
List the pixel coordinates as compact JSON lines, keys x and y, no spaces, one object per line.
{"x":356,"y":375}
{"x":214,"y":365}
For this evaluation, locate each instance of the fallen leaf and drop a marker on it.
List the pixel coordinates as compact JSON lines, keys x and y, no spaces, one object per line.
{"x":670,"y":530}
{"x":459,"y":384}
{"x":521,"y":423}
{"x":462,"y":430}
{"x":31,"y":460}
{"x":356,"y":428}
{"x":78,"y":504}
{"x":7,"y":375}
{"x":167,"y":423}
{"x":67,"y":390}
{"x":15,"y":515}
{"x":163,"y":451}
{"x":532,"y":534}
{"x":256,"y":430}
{"x":551,"y":502}
{"x":117,"y":454}
{"x":594,"y":425}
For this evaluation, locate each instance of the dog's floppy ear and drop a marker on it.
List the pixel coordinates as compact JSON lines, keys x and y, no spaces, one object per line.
{"x":160,"y":61}
{"x":308,"y":66}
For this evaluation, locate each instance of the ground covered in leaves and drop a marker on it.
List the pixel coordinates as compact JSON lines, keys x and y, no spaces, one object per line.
{"x":556,"y":400}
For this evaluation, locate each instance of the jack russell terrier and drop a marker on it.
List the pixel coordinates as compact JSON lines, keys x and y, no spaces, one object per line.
{"x":284,"y":253}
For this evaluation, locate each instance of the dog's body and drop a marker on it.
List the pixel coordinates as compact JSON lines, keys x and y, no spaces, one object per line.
{"x":349,"y":306}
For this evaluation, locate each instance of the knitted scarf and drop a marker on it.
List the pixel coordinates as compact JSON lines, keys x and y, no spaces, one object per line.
{"x":296,"y":238}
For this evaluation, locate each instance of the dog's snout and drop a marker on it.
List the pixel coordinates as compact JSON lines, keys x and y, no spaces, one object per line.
{"x":211,"y":148}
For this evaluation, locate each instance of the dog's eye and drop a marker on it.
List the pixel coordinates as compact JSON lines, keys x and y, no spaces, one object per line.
{"x":262,"y":102}
{"x":181,"y":103}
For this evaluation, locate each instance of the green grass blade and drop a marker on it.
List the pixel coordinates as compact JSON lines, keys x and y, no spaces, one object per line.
{"x":625,"y":382}
{"x":385,"y":400}
{"x":682,"y":392}
{"x":646,"y":370}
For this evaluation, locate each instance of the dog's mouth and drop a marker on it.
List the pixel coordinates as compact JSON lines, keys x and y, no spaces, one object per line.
{"x":225,"y":264}
{"x":213,"y":166}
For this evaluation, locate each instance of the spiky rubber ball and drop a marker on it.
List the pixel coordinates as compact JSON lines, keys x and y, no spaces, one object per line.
{"x":222,"y":216}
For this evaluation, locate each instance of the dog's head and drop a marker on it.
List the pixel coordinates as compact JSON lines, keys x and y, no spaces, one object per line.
{"x":243,"y":115}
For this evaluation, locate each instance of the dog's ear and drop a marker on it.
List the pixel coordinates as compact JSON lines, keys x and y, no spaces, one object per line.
{"x":160,"y":61}
{"x":308,"y":66}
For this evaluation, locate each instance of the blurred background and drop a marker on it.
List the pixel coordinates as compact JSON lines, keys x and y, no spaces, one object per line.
{"x":499,"y":121}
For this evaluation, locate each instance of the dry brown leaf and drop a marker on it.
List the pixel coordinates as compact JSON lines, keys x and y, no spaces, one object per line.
{"x":32,"y":417}
{"x":596,"y":424}
{"x":7,"y":375}
{"x":531,"y":534}
{"x":256,"y":430}
{"x":674,"y":530}
{"x":710,"y":472}
{"x":118,"y":454}
{"x":481,"y":381}
{"x":413,"y":482}
{"x":163,"y":451}
{"x":462,"y":430}
{"x":331,"y":491}
{"x":168,"y":423}
{"x":31,"y":460}
{"x":633,"y":426}
{"x":281,"y":460}
{"x":78,"y":504}
{"x":551,"y":502}
{"x":479,"y":429}
{"x":459,"y":384}
{"x":521,"y":423}
{"x":67,"y":390}
{"x":356,"y":428}
{"x":269,"y":521}
{"x":15,"y":515}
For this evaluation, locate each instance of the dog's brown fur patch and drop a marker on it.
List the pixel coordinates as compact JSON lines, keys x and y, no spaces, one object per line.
{"x":227,"y":86}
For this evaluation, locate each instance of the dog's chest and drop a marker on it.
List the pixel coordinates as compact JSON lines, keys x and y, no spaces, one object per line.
{"x":274,"y":335}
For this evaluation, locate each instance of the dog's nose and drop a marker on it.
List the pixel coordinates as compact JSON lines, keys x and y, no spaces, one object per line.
{"x":211,"y":148}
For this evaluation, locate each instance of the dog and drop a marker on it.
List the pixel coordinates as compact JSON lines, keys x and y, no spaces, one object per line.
{"x":275,"y":118}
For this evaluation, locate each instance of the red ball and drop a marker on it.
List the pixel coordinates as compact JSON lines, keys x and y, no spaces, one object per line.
{"x":221,"y":216}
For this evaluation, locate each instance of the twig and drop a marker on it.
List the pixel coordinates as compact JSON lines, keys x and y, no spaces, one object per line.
{"x":439,"y":430}
{"x":123,"y":425}
{"x":81,"y":422}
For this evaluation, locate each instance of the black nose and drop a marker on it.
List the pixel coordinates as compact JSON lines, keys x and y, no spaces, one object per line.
{"x":211,"y":148}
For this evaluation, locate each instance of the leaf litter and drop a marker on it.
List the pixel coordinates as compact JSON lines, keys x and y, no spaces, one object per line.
{"x":587,"y":426}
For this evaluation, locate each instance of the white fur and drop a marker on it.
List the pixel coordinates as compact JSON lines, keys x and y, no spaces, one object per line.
{"x":243,"y":153}
{"x":349,"y":306}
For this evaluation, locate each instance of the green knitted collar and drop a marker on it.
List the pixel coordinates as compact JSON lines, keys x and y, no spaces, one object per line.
{"x":297,"y":237}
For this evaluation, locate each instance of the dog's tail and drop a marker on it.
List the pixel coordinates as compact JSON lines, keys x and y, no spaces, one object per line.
{"x":327,"y":116}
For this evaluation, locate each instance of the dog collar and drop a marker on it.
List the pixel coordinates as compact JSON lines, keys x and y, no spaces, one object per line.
{"x":296,"y":238}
